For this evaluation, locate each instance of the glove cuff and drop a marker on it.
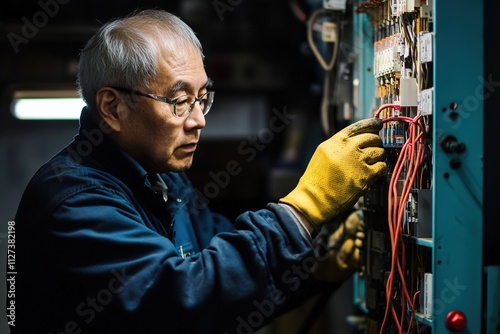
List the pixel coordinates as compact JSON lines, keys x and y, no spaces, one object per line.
{"x":305,"y":204}
{"x":305,"y":216}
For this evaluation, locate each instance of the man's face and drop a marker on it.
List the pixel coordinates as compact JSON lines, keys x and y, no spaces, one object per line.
{"x":157,"y":139}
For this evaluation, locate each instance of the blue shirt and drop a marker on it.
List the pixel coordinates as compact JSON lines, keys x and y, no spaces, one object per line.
{"x":98,"y":251}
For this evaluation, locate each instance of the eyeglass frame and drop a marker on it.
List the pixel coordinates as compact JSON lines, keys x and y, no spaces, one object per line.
{"x":172,"y":101}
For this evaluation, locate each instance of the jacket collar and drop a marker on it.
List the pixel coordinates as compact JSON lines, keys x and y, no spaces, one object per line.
{"x":98,"y":148}
{"x":94,"y":145}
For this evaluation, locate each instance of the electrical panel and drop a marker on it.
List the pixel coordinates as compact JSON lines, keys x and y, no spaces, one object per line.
{"x":398,"y":210}
{"x":423,"y":263}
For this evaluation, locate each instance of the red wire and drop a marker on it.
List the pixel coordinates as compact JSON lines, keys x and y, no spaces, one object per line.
{"x":386,"y":106}
{"x":411,"y":157}
{"x":413,"y":169}
{"x":413,"y":313}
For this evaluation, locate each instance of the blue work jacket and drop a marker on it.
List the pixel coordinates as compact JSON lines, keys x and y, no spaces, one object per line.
{"x":98,"y":251}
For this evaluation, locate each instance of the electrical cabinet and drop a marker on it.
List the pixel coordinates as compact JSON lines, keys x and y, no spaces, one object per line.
{"x":421,"y":69}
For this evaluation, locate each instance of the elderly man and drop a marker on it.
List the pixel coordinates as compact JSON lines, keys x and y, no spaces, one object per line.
{"x":111,"y":236}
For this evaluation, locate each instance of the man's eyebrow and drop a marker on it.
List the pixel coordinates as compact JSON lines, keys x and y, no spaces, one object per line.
{"x":182,"y":85}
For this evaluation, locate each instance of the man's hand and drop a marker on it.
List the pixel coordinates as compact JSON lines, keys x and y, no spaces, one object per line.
{"x":339,"y":172}
{"x":344,"y":250}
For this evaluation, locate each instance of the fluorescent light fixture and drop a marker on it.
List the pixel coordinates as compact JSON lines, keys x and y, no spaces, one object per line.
{"x":47,"y":105}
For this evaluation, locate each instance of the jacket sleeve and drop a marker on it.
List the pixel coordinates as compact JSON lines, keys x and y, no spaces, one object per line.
{"x":120,"y":276}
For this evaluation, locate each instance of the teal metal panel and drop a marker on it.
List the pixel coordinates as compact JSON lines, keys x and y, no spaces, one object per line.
{"x":458,"y":184}
{"x":363,"y":99}
{"x":364,"y":81}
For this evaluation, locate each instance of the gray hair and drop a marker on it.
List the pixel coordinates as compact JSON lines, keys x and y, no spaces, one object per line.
{"x":125,"y":52}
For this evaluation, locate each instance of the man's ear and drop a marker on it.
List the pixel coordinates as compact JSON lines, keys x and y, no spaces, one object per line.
{"x":111,"y":107}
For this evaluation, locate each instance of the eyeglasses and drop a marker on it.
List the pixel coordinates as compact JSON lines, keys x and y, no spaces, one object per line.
{"x":183,"y":105}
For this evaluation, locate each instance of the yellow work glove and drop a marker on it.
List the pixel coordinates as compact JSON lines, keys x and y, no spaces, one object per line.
{"x":339,"y":172}
{"x":344,"y":250}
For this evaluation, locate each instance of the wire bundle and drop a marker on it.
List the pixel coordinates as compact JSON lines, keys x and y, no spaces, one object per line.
{"x":408,"y":163}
